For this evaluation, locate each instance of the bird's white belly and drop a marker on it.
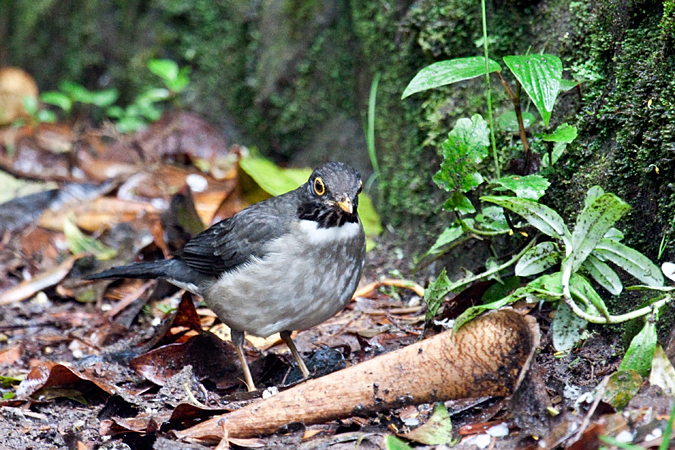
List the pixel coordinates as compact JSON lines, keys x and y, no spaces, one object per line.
{"x":296,"y":286}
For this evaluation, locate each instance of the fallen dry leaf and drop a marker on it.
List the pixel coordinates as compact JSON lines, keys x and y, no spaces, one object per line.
{"x":26,"y":289}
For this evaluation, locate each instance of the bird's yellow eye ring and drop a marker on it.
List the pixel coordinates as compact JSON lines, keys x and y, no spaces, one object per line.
{"x":319,"y":187}
{"x":360,"y":187}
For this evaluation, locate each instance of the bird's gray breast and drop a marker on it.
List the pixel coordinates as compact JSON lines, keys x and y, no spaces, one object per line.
{"x":306,"y":276}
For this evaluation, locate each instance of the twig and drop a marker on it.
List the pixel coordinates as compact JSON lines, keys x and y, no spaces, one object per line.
{"x":367,"y":289}
{"x":128,"y":299}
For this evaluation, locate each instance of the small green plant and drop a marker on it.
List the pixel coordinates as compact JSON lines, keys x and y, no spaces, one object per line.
{"x":580,"y":255}
{"x":70,"y":94}
{"x":140,"y":112}
{"x":143,"y":109}
{"x":35,"y":114}
{"x":566,"y":262}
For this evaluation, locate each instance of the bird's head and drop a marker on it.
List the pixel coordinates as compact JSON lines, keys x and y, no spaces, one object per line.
{"x":330,"y":196}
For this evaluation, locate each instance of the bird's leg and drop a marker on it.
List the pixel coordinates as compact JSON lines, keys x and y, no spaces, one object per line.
{"x":286,"y":336}
{"x":238,"y":341}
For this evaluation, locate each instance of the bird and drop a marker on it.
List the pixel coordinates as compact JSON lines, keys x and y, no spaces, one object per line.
{"x":284,"y":264}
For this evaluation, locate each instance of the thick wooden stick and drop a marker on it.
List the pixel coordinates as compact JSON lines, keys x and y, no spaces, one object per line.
{"x":487,"y":356}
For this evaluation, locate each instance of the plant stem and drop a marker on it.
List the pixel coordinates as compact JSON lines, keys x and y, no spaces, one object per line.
{"x":371,"y":124}
{"x":487,"y":273}
{"x":515,"y":99}
{"x":488,"y":90}
{"x":567,"y":297}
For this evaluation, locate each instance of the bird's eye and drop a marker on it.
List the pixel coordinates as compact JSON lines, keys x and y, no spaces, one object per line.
{"x":360,"y":187}
{"x":319,"y":187}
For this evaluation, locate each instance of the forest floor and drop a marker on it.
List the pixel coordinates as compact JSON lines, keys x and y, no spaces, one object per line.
{"x":138,"y":364}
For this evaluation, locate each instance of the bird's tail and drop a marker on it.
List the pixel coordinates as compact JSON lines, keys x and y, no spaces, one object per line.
{"x":173,"y":270}
{"x":143,"y":271}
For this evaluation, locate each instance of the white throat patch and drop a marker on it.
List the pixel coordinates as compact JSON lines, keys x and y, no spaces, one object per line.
{"x":318,"y":235}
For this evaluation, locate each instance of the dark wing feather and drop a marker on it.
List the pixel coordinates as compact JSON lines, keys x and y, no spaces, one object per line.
{"x":232,"y":242}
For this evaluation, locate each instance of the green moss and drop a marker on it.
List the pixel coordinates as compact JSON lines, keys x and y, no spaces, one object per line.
{"x":668,"y":20}
{"x":409,"y":132}
{"x":627,"y":126}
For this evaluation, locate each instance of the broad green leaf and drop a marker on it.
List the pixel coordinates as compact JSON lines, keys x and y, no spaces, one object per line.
{"x":567,"y":328}
{"x":500,"y":290}
{"x":564,"y":133}
{"x":391,"y":442}
{"x":539,"y":216}
{"x":603,"y":274}
{"x":509,"y":121}
{"x":471,"y":181}
{"x":630,"y":260}
{"x":668,"y":270}
{"x":475,"y":311}
{"x":465,"y":148}
{"x":114,"y":111}
{"x":548,"y":284}
{"x":460,"y":203}
{"x":103,"y":98}
{"x":474,"y":134}
{"x":78,"y":242}
{"x":532,"y":187}
{"x":130,"y":124}
{"x":546,"y":287}
{"x":539,"y":258}
{"x":276,"y":181}
{"x":592,"y":224}
{"x":437,"y":430}
{"x":433,"y":295}
{"x":642,"y":287}
{"x":164,"y":68}
{"x":448,"y":235}
{"x":8,"y":382}
{"x":76,"y":91}
{"x":57,"y":99}
{"x":153,"y":95}
{"x":149,"y":111}
{"x":540,"y":76}
{"x":622,"y":386}
{"x":45,"y":115}
{"x":614,"y":234}
{"x":663,"y":373}
{"x":641,"y":351}
{"x":566,"y":85}
{"x":492,"y":218}
{"x":178,"y":84}
{"x":592,"y":194}
{"x":271,"y":178}
{"x":369,"y":216}
{"x":558,"y":150}
{"x":447,"y":72}
{"x":492,"y":264}
{"x":582,"y":290}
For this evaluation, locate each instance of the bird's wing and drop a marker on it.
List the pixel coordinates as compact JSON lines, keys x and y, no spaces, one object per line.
{"x":233,"y":242}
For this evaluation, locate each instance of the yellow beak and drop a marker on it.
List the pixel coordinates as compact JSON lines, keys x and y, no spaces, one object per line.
{"x":346,"y":205}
